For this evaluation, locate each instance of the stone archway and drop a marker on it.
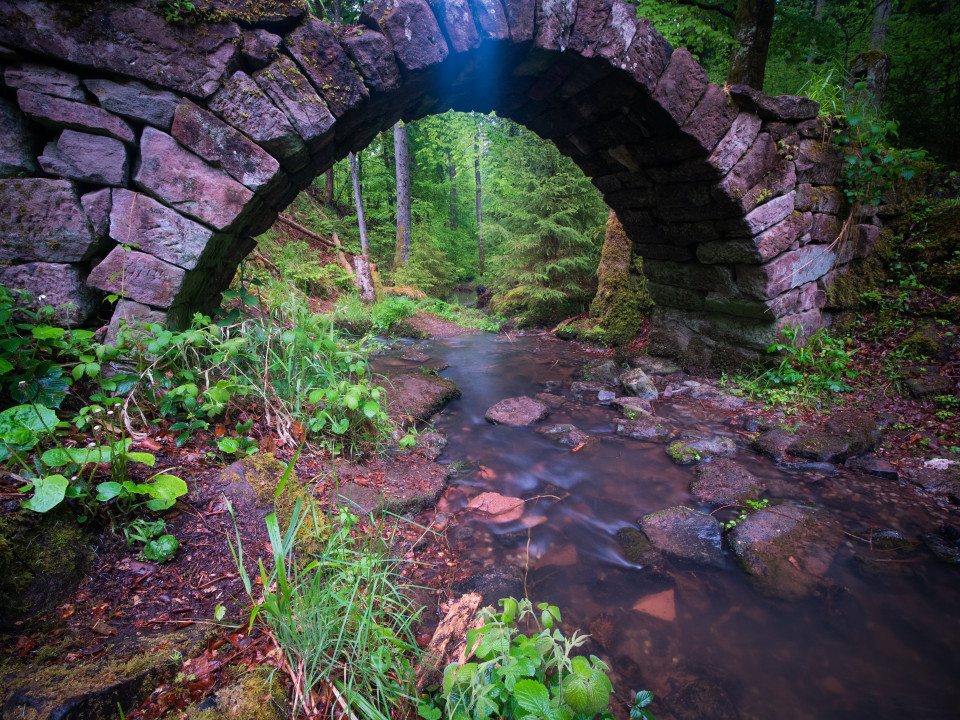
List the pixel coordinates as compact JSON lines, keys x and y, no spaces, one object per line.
{"x":141,"y":157}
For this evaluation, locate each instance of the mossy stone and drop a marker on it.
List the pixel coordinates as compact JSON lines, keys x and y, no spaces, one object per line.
{"x":42,"y":559}
{"x":257,"y":695}
{"x":617,"y":306}
{"x":924,"y":342}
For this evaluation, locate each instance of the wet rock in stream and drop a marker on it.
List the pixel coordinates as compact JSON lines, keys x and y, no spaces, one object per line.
{"x":517,"y":411}
{"x":945,"y":544}
{"x":873,"y":465}
{"x":554,"y":401}
{"x":569,"y":435}
{"x":601,"y":371}
{"x":685,"y":534}
{"x":647,"y":428}
{"x":586,"y":391}
{"x":417,"y":396}
{"x":724,"y":481}
{"x":632,"y":406}
{"x":786,"y":549}
{"x":636,"y":383}
{"x":847,"y":433}
{"x":688,"y":452}
{"x":492,"y":584}
{"x":773,"y":443}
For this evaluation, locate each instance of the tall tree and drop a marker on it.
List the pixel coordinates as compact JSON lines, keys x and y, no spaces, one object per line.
{"x":404,"y":215}
{"x":476,"y":170}
{"x":753,"y":25}
{"x":361,"y":263}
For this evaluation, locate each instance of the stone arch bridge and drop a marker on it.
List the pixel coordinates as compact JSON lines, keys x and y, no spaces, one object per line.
{"x":140,"y":157}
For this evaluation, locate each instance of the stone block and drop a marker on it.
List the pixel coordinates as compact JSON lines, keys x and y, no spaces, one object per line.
{"x":737,"y":140}
{"x":664,"y":252}
{"x":188,"y":184}
{"x":136,"y":101}
{"x":225,"y":147}
{"x":780,"y":180}
{"x":137,"y":276}
{"x":456,"y":19}
{"x":676,"y":297}
{"x":820,"y":198}
{"x":131,"y":314}
{"x":760,"y":248}
{"x":712,"y":118}
{"x":818,"y":162}
{"x":141,"y":221}
{"x":97,"y":207}
{"x":46,"y":80}
{"x":761,"y":217}
{"x":59,"y":113}
{"x":292,"y":93}
{"x":587,"y":31}
{"x":825,"y":228}
{"x":647,"y":58}
{"x":759,"y":160}
{"x":244,"y":105}
{"x":782,"y":107}
{"x":16,"y":142}
{"x":617,"y":34}
{"x":55,"y":284}
{"x":785,"y":272}
{"x":681,"y":86}
{"x":42,"y":220}
{"x":711,"y":278}
{"x":372,"y":55}
{"x":87,"y":158}
{"x":520,"y":19}
{"x":315,"y":48}
{"x":128,"y":40}
{"x":412,"y":29}
{"x":259,"y":48}
{"x":555,"y":19}
{"x":277,"y":16}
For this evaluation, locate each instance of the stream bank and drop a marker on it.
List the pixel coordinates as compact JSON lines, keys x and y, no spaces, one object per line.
{"x":683,"y":619}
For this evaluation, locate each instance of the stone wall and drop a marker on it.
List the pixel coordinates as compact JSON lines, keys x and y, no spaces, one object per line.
{"x":140,"y":158}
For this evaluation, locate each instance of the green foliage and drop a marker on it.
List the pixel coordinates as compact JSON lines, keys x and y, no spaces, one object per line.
{"x":872,"y":166}
{"x":429,"y":269}
{"x":546,"y":228}
{"x":342,"y":616}
{"x":175,"y":11}
{"x":157,"y":546}
{"x":810,"y":368}
{"x":742,"y":515}
{"x":525,"y":676}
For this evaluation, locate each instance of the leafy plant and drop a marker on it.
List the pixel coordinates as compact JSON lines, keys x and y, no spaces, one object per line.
{"x":157,"y":546}
{"x":753,"y":505}
{"x":340,"y":616}
{"x":520,"y":676}
{"x":809,"y":368}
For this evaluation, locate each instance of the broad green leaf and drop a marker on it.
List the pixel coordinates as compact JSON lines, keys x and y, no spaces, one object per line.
{"x":532,"y":696}
{"x":5,"y":366}
{"x":162,"y":549}
{"x":643,"y":698}
{"x":45,"y":332}
{"x":58,"y":457}
{"x":107,"y":491}
{"x":165,"y":490}
{"x":48,"y":492}
{"x":141,"y":457}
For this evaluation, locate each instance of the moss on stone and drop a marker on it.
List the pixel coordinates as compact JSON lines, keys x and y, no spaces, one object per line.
{"x":860,"y":276}
{"x":682,"y":453}
{"x":258,"y":695}
{"x":616,"y":308}
{"x":924,"y":342}
{"x":42,"y":557}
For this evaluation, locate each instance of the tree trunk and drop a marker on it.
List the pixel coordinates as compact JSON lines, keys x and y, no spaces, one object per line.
{"x":476,"y":170}
{"x":404,"y":218}
{"x":336,"y":12}
{"x":881,"y":19}
{"x":452,"y":174}
{"x":362,"y":266}
{"x":365,"y":289}
{"x":328,"y":187}
{"x":751,"y":40}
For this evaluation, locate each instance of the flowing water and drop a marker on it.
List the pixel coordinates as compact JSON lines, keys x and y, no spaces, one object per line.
{"x":883,"y":642}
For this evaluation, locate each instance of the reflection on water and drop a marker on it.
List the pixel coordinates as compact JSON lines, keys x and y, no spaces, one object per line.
{"x":882,"y":642}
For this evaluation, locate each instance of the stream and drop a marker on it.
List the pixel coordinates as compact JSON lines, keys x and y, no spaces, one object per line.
{"x":883,"y":641}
